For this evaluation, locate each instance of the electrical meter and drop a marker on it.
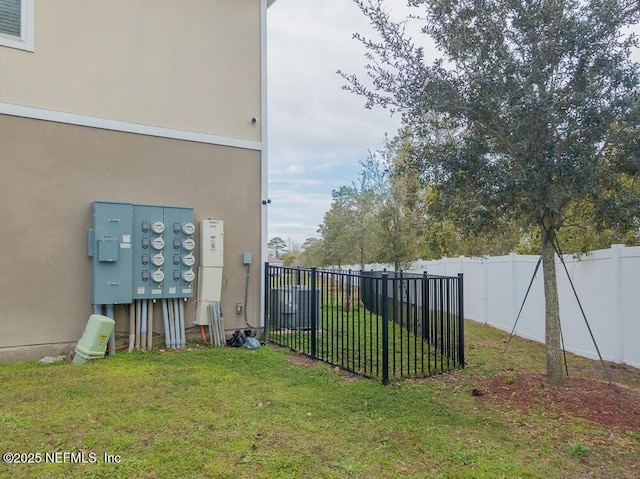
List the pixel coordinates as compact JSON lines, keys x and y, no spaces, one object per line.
{"x":189,"y":244}
{"x":188,"y":260}
{"x":188,"y":276}
{"x":157,"y":259}
{"x":157,"y":227}
{"x":188,"y":228}
{"x":157,"y":276}
{"x":157,"y":243}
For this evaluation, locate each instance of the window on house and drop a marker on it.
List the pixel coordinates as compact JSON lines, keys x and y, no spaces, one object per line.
{"x":16,"y":24}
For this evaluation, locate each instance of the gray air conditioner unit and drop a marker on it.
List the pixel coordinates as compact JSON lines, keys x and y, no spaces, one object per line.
{"x":291,"y":307}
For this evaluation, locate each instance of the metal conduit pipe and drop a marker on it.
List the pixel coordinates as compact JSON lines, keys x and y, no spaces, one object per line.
{"x":150,"y":327}
{"x":176,"y":321}
{"x":112,"y":338}
{"x":172,"y":332}
{"x":132,"y":327}
{"x":183,"y":339}
{"x":143,"y":326}
{"x":138,"y":307}
{"x":165,"y":321}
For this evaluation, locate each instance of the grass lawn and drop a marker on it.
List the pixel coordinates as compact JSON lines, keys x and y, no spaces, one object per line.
{"x":236,"y":413}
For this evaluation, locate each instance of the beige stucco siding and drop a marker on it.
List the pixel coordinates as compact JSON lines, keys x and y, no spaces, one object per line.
{"x":190,"y":65}
{"x":52,"y":172}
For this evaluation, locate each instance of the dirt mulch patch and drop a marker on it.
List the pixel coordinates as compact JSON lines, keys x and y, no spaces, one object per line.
{"x":587,"y":398}
{"x":300,"y":359}
{"x":305,"y":361}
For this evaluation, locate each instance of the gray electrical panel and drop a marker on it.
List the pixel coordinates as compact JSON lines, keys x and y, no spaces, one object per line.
{"x":110,"y":250}
{"x":141,"y":252}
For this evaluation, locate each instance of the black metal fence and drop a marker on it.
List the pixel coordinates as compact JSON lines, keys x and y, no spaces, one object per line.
{"x":378,"y":324}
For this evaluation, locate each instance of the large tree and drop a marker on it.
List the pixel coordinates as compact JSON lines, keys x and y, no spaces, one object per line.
{"x":278,"y":245}
{"x":348,"y":227}
{"x":542,"y":99}
{"x":400,"y":203}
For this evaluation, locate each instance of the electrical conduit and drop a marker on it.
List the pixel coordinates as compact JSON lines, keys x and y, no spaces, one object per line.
{"x":112,"y":338}
{"x":165,"y":320}
{"x":143,"y":326}
{"x":138,"y":307}
{"x":172,"y":332}
{"x":176,"y":322}
{"x":150,"y":327}
{"x":132,"y":327}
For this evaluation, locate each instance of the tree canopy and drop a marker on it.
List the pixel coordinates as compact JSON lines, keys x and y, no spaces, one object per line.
{"x":540,"y":104}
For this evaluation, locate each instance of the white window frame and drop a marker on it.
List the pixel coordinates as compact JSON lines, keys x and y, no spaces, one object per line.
{"x":25,"y":40}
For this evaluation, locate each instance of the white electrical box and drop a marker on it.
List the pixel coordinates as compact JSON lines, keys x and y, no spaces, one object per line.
{"x":210,"y":270}
{"x":212,"y":243}
{"x":209,"y":290}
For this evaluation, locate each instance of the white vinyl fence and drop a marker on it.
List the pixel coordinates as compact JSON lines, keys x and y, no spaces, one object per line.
{"x":607,"y":283}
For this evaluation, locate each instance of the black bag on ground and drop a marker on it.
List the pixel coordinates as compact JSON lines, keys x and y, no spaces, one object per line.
{"x":236,"y":340}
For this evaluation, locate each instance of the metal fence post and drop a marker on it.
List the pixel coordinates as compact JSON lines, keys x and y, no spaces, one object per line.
{"x":461,"y":319}
{"x":267,"y":301}
{"x":314,"y":315}
{"x":385,"y":330}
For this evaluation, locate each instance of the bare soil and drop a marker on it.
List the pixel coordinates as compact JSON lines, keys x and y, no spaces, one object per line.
{"x":585,"y":397}
{"x":305,"y":361}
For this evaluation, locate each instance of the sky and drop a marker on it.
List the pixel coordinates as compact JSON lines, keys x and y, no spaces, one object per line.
{"x":318,"y":133}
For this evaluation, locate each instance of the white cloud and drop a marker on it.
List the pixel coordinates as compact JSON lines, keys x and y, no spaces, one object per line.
{"x":318,"y":133}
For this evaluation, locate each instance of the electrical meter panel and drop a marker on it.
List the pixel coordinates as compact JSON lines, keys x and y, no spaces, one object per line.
{"x":163,"y":245}
{"x":179,"y":248}
{"x":141,"y":252}
{"x":110,"y":251}
{"x":148,"y":251}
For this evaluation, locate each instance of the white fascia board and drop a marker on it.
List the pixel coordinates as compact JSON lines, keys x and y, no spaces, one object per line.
{"x":127,"y":127}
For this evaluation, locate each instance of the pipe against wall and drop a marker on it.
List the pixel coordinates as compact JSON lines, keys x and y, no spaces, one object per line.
{"x":132,"y":327}
{"x":171,"y":324}
{"x":212,"y":331}
{"x":221,"y":325}
{"x":165,"y":319}
{"x":176,"y":323}
{"x":143,"y":325}
{"x":138,"y":307}
{"x":183,"y":339}
{"x":112,"y":338}
{"x":150,"y":327}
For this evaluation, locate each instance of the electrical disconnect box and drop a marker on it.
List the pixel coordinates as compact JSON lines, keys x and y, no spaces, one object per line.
{"x":212,"y":243}
{"x":141,"y":252}
{"x":210,"y":271}
{"x":110,"y":250}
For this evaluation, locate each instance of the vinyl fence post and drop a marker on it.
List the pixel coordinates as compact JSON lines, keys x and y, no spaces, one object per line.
{"x":314,"y":315}
{"x":461,"y":319}
{"x":385,"y":329}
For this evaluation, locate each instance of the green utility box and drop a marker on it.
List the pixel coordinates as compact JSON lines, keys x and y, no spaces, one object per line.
{"x":93,"y":343}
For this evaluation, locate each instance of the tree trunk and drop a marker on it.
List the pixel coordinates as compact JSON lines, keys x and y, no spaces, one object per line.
{"x":555,"y":373}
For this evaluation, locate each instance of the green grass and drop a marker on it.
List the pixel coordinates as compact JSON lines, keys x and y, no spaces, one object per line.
{"x":218,"y":413}
{"x":353,"y":339}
